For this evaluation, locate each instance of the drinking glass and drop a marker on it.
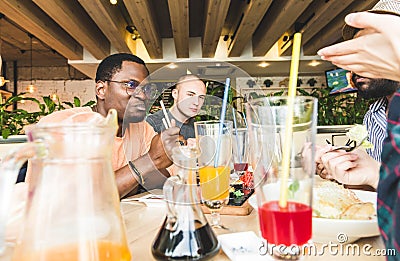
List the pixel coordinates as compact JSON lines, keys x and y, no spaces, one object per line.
{"x":284,"y":202}
{"x":214,"y":141}
{"x":240,"y":146}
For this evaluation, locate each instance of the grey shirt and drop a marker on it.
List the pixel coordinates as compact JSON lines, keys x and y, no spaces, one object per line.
{"x":187,"y":128}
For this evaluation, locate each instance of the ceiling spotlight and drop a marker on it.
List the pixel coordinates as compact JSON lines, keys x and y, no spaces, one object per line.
{"x":113,"y":2}
{"x":172,"y":66}
{"x":263,"y":64}
{"x":314,"y":63}
{"x":132,"y":30}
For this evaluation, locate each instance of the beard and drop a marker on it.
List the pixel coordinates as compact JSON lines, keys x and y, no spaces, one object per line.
{"x":374,"y":88}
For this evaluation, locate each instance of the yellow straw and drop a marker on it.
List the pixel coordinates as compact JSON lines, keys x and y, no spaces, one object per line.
{"x":287,"y":144}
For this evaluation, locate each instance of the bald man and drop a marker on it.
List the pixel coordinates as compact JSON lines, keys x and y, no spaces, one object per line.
{"x":189,"y":96}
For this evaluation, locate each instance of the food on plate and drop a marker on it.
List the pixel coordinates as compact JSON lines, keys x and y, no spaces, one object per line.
{"x":359,"y":133}
{"x":332,"y":200}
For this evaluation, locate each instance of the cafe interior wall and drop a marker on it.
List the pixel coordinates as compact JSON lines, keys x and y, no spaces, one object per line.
{"x":63,"y":81}
{"x":66,"y":82}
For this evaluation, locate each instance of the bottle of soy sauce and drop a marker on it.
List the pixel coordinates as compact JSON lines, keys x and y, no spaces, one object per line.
{"x":185,"y":233}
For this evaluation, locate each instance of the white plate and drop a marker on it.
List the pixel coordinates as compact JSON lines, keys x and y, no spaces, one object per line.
{"x":327,"y":230}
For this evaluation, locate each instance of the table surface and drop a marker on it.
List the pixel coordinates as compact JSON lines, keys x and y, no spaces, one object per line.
{"x":143,"y":222}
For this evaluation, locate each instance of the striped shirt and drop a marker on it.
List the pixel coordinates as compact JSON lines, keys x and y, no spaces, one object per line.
{"x":389,"y":181}
{"x":375,"y":122}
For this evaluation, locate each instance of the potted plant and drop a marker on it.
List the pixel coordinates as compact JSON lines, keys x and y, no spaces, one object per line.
{"x":13,"y":122}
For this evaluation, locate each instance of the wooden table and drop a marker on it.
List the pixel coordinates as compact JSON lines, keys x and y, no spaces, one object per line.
{"x":143,"y":223}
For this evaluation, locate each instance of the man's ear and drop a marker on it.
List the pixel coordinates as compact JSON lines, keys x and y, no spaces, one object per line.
{"x":101,"y":89}
{"x":175,"y":94}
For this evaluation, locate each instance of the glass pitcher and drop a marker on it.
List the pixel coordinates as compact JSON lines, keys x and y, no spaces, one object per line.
{"x":185,"y":233}
{"x":72,"y":208}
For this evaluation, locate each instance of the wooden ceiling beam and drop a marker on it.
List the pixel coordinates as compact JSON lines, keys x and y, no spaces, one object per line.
{"x":280,"y":16}
{"x":322,"y":16}
{"x":144,"y":19}
{"x":30,"y":17}
{"x":317,"y":15}
{"x":215,"y":14}
{"x":109,"y":19}
{"x":179,"y":14}
{"x":333,"y":31}
{"x":252,"y":16}
{"x":72,"y":18}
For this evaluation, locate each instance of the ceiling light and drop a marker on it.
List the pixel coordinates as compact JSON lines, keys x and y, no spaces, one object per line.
{"x":31,"y":88}
{"x":172,"y":66}
{"x":113,"y":2}
{"x":314,"y":63}
{"x":263,"y":64}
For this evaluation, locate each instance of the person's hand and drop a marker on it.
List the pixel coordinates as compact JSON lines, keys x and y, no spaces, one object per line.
{"x":191,"y":143}
{"x":320,"y":168}
{"x":375,"y":53}
{"x":161,"y":146}
{"x":351,"y":168}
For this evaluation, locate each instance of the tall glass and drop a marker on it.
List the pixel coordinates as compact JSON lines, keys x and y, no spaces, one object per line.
{"x":214,"y":141}
{"x":284,"y":204}
{"x":240,"y":146}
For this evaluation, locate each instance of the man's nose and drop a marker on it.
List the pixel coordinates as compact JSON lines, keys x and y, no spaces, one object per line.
{"x":139,"y":93}
{"x":196,"y":100}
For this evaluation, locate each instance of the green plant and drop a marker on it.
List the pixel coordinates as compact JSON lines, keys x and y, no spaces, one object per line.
{"x":13,"y":122}
{"x":342,"y":109}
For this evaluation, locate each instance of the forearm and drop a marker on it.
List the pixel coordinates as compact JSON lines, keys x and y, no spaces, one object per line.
{"x":128,"y":182}
{"x":375,"y":178}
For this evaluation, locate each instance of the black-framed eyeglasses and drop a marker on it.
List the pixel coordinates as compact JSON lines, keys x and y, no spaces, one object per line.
{"x":131,"y":88}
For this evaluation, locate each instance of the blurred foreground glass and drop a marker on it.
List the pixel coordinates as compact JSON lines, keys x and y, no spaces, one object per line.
{"x":73,"y":208}
{"x":185,"y":233}
{"x":290,"y":225}
{"x":214,"y":160}
{"x":240,"y":149}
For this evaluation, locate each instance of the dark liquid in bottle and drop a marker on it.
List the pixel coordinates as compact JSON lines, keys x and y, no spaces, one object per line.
{"x":182,"y":245}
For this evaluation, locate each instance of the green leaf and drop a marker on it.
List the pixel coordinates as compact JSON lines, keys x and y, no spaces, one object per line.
{"x":293,"y":187}
{"x":5,"y":133}
{"x":69,"y":104}
{"x":77,"y":102}
{"x":89,"y":104}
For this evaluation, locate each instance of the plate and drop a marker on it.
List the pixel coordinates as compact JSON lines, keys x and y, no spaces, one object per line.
{"x":327,"y":230}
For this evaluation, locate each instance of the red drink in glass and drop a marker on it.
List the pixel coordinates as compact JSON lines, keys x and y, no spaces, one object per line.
{"x":291,"y":225}
{"x":240,"y":166}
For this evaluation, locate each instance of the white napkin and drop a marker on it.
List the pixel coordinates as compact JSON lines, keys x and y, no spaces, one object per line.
{"x":150,"y":200}
{"x":242,"y":246}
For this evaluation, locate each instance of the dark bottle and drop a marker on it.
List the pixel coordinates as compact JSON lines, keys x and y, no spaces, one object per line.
{"x":185,"y":233}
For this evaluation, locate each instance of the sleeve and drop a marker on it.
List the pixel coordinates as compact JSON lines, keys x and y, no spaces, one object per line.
{"x":152,"y":121}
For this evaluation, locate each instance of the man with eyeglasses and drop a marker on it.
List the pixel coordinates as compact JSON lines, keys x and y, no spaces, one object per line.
{"x":139,"y":153}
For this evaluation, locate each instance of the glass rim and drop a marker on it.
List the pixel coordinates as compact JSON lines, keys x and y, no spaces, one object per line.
{"x":212,"y":122}
{"x":306,"y":99}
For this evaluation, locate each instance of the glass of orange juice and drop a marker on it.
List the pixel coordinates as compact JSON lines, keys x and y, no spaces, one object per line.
{"x":214,"y":141}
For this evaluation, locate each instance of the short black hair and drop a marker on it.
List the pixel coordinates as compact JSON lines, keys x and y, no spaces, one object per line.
{"x":113,"y":63}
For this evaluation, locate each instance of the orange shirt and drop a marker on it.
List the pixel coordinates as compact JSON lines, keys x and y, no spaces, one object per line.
{"x":134,"y":143}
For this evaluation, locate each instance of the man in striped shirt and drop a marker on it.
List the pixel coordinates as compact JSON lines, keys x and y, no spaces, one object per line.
{"x":347,"y":168}
{"x":375,"y":118}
